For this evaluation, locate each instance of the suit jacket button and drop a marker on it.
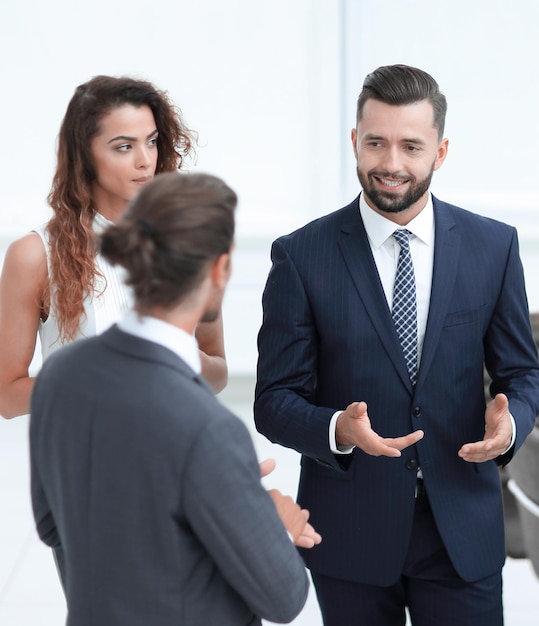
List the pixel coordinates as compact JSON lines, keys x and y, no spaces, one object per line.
{"x":411,"y":464}
{"x":417,"y":411}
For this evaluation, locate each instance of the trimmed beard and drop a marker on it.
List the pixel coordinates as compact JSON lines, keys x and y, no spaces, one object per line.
{"x":210,"y":315}
{"x":388,"y":202}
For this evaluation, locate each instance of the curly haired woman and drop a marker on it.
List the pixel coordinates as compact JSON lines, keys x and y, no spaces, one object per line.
{"x":117,"y":134}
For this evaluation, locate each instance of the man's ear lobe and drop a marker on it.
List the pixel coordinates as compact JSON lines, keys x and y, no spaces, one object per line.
{"x":221,"y":270}
{"x":353,"y":136}
{"x":442,"y":153}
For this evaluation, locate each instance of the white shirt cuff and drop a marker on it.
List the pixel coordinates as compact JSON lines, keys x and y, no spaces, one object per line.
{"x":513,"y":436}
{"x":336,"y":449}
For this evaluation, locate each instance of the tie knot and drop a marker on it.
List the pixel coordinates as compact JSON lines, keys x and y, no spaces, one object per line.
{"x":402,"y":235}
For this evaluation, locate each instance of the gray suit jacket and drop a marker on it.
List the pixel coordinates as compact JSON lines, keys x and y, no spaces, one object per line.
{"x":152,"y":488}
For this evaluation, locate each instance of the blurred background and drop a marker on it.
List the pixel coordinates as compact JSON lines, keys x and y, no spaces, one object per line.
{"x":270,"y":86}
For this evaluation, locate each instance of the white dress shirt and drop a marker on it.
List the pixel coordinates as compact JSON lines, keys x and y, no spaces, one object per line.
{"x":165,"y":334}
{"x":385,"y":251}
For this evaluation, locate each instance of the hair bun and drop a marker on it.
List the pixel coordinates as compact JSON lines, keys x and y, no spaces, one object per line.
{"x":147,"y":228}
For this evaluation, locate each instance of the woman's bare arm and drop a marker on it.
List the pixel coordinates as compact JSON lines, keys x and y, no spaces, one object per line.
{"x":22,"y":284}
{"x":212,"y":353}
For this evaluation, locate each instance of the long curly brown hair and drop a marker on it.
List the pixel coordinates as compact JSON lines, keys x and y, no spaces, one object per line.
{"x":71,"y":239}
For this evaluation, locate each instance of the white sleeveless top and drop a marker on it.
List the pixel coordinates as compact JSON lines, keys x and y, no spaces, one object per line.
{"x":101,"y":310}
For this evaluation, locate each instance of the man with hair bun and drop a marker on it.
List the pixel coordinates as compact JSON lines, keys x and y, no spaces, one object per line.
{"x":151,"y":486}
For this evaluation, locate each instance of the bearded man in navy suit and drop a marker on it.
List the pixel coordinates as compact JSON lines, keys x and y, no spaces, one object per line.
{"x":400,"y":458}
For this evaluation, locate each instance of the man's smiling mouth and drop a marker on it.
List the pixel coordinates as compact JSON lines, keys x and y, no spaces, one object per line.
{"x":390,"y":183}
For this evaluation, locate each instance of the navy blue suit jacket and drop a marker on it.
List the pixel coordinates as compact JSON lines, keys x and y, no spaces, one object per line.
{"x":327,"y":340}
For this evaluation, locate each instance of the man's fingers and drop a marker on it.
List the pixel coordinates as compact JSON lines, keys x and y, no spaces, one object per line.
{"x":409,"y":440}
{"x":357,"y":409}
{"x":399,"y":443}
{"x":482,"y":451}
{"x":308,"y":538}
{"x":501,"y":402}
{"x":392,"y":446}
{"x":354,"y":429}
{"x":267,"y":466}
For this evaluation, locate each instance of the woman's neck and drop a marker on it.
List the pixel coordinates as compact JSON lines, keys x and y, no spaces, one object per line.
{"x":112,"y":208}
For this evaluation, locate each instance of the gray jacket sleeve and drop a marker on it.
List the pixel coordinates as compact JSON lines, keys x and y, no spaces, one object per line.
{"x":235,"y":519}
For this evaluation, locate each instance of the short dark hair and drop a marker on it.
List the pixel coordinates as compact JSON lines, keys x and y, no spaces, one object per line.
{"x":403,"y":84}
{"x":169,"y":234}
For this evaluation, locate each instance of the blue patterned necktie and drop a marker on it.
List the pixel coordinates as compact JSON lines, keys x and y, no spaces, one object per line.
{"x":404,"y":311}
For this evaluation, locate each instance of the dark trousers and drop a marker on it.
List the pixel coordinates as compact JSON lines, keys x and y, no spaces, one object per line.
{"x":429,"y":587}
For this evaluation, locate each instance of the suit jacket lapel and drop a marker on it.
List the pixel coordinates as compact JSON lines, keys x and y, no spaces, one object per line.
{"x":355,"y":248}
{"x":446,"y":252}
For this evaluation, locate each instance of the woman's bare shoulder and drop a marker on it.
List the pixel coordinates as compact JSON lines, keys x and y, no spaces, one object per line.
{"x":27,"y":252}
{"x":26,"y":260}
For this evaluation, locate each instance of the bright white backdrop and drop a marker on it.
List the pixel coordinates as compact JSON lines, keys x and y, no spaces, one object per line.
{"x":271,"y":86}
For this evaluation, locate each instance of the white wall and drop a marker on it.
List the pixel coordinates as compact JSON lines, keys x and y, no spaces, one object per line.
{"x":271,"y":88}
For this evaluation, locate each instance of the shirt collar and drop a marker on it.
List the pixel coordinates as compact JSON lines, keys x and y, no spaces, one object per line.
{"x":150,"y":328}
{"x":379,"y":228}
{"x":100,"y":223}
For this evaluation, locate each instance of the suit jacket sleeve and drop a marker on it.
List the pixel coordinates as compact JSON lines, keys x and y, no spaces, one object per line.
{"x":45,"y":523}
{"x":510,"y":353}
{"x":235,"y":519}
{"x":285,"y":403}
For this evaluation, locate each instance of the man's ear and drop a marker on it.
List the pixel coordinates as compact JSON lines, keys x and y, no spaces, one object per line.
{"x":353,"y":136}
{"x":443,"y":147}
{"x":221,"y":270}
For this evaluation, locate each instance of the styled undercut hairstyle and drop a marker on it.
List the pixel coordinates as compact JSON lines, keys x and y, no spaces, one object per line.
{"x":169,"y":234}
{"x":402,"y":84}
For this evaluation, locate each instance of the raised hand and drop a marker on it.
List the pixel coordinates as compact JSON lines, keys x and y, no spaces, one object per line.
{"x":354,"y":429}
{"x":295,"y":520}
{"x":498,"y":433}
{"x":292,"y":515}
